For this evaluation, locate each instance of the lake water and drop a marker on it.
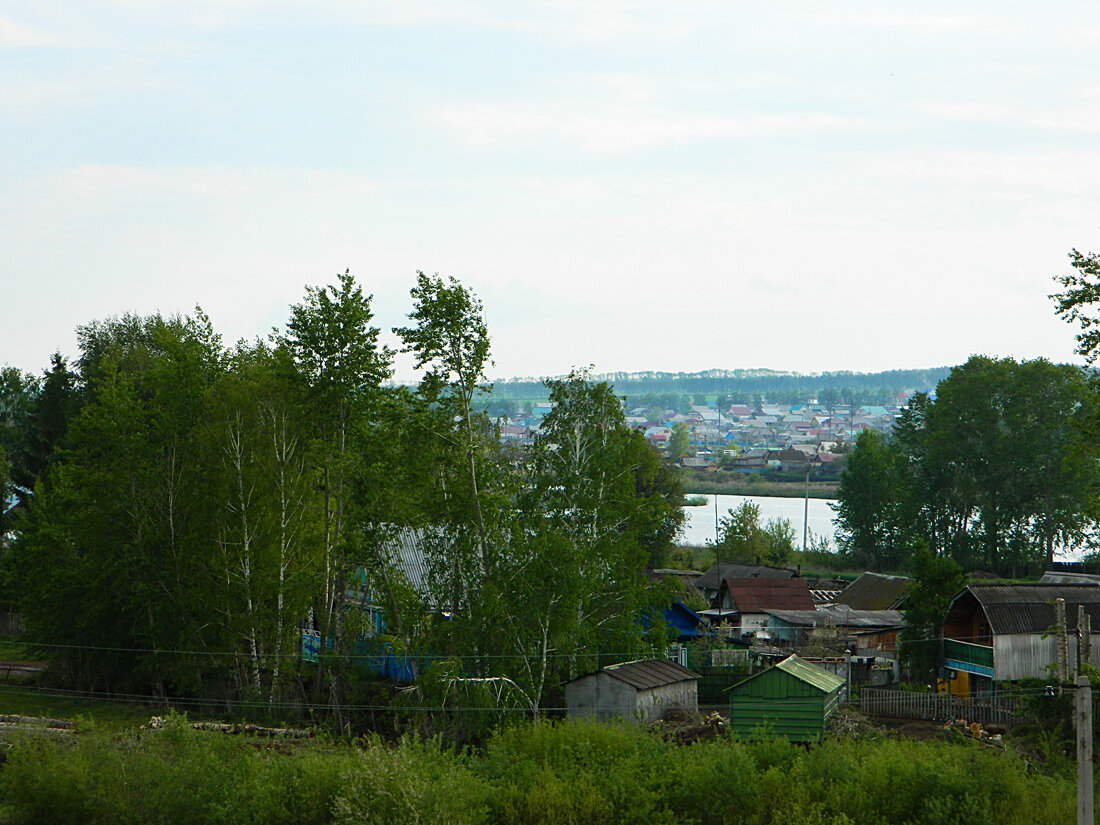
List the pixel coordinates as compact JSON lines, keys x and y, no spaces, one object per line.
{"x":699,"y":525}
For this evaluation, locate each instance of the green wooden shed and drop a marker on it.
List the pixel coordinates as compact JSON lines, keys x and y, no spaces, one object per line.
{"x":793,"y":699}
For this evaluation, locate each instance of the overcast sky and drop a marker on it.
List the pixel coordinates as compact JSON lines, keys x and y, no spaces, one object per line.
{"x":634,"y":185}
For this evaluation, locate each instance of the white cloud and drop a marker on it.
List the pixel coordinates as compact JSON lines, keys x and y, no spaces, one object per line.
{"x":925,"y":23}
{"x":621,"y":129}
{"x":14,"y":34}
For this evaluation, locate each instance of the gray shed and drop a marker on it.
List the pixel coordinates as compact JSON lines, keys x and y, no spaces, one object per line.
{"x":638,"y":691}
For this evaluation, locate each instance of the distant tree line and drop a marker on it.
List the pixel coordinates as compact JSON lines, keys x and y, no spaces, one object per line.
{"x":677,"y":391}
{"x":186,"y":507}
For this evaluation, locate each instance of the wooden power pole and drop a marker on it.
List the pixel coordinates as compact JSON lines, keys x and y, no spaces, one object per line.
{"x":1083,"y":718}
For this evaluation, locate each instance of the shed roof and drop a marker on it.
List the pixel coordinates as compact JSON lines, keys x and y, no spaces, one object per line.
{"x":810,"y":674}
{"x":874,"y":591}
{"x":650,"y":673}
{"x":1029,"y":608}
{"x":799,"y":669}
{"x":758,"y":595}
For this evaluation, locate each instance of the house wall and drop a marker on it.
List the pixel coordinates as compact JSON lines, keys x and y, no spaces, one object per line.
{"x":600,"y":697}
{"x":1027,"y":655}
{"x":755,"y":623}
{"x":653,"y":703}
{"x":779,"y":704}
{"x":604,"y":698}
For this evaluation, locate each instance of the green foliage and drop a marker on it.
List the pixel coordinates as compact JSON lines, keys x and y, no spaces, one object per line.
{"x":415,"y":782}
{"x":741,"y":537}
{"x":874,"y":504}
{"x":678,"y":441}
{"x":546,"y":773}
{"x":998,"y":471}
{"x":936,"y":581}
{"x":1077,"y":304}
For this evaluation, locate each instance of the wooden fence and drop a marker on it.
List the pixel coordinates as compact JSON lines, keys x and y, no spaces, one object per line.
{"x":988,"y":709}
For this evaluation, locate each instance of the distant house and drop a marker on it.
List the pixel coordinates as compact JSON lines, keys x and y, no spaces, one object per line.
{"x":709,"y":582}
{"x":641,"y":691}
{"x":743,"y":603}
{"x":658,"y":435}
{"x":875,"y":591}
{"x":793,"y":699}
{"x":995,"y":633}
{"x":402,"y":559}
{"x":864,"y":632}
{"x":684,"y":624}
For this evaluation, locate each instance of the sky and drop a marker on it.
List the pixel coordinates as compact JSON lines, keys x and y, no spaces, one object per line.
{"x":626,"y":184}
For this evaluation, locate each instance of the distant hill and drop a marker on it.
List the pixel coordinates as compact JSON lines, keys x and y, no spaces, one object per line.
{"x":742,"y":385}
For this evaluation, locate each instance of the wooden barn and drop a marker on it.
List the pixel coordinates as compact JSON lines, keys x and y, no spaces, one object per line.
{"x":1001,"y":632}
{"x":638,"y":691}
{"x":793,"y":699}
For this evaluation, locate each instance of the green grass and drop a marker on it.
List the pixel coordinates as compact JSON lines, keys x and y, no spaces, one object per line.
{"x":547,"y":773}
{"x":29,"y":701}
{"x":14,"y":651}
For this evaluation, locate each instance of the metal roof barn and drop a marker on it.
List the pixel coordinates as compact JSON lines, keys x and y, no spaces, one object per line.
{"x":793,"y":699}
{"x":638,"y":691}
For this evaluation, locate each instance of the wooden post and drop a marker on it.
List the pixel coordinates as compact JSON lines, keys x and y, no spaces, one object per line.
{"x":1083,"y":719}
{"x":1061,"y":640}
{"x":1084,"y":642}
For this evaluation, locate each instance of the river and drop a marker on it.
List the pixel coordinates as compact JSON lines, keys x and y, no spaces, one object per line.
{"x":699,"y":526}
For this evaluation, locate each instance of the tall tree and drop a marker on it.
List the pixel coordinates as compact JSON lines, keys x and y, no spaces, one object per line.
{"x":340,"y":364}
{"x":115,"y":548}
{"x":597,"y":508}
{"x":450,"y":341}
{"x":743,"y":537}
{"x":1077,"y":303}
{"x":873,"y":509}
{"x":936,"y":581}
{"x":1000,"y":469}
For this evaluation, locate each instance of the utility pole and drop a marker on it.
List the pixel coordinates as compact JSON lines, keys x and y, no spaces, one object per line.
{"x":1083,"y":718}
{"x":806,"y":509}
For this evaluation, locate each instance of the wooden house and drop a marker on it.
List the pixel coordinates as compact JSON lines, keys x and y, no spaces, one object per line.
{"x":640,"y":691}
{"x":793,"y":699}
{"x":864,"y":632}
{"x":711,"y":581}
{"x":996,"y":633}
{"x":744,"y":602}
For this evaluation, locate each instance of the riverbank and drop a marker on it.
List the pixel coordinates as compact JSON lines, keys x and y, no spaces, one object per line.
{"x":740,"y":484}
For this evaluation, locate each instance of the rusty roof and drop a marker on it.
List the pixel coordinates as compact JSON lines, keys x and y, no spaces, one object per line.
{"x":758,"y":595}
{"x":645,"y":674}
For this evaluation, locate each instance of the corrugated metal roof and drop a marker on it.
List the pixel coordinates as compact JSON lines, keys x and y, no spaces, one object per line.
{"x":1059,"y":577}
{"x":874,"y":591}
{"x":841,"y":616}
{"x":1029,"y":608}
{"x":403,"y":552}
{"x":650,"y":673}
{"x":810,"y":674}
{"x":735,"y":570}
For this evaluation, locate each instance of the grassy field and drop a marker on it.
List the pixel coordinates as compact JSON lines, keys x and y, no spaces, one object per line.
{"x":524,"y":773}
{"x":738,"y":484}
